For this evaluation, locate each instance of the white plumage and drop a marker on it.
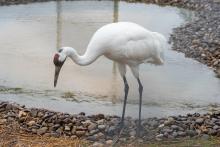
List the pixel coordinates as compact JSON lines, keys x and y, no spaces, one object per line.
{"x":125,"y":43}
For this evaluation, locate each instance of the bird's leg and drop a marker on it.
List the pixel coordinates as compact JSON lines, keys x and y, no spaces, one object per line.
{"x":121,"y":125}
{"x":126,"y":88}
{"x":140,"y":104}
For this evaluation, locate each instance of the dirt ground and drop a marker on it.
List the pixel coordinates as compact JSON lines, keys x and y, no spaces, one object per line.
{"x":12,"y":136}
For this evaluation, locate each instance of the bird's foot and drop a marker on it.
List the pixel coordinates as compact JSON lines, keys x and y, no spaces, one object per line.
{"x":140,"y":131}
{"x":120,"y":129}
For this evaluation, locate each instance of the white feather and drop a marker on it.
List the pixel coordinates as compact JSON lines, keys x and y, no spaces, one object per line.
{"x":124,"y":42}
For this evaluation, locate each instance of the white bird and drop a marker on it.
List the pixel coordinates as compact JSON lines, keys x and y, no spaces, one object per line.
{"x":126,"y":43}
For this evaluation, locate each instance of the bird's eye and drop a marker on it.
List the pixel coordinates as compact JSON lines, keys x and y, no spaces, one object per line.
{"x":60,"y":50}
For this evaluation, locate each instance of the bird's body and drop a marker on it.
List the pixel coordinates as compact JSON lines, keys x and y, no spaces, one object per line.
{"x":125,"y":43}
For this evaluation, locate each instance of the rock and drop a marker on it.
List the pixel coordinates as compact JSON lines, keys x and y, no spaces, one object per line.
{"x":153,"y":123}
{"x":100,"y":135}
{"x":87,"y":123}
{"x":101,"y":127}
{"x":22,"y":114}
{"x":92,"y":126}
{"x":82,"y":113}
{"x":174,"y":127}
{"x":161,"y":126}
{"x":97,"y":144}
{"x":167,"y":130}
{"x":42,"y":130}
{"x":109,"y":142}
{"x":59,"y":130}
{"x":33,"y":112}
{"x":31,"y":123}
{"x":191,"y":133}
{"x":92,"y":138}
{"x":212,"y":132}
{"x":55,"y":127}
{"x":169,"y":121}
{"x":80,"y":133}
{"x":54,"y":134}
{"x":181,"y":133}
{"x":34,"y":131}
{"x":3,"y":121}
{"x":132,"y":133}
{"x":40,"y":114}
{"x":174,"y":134}
{"x":199,"y":120}
{"x":215,"y":127}
{"x":67,"y":128}
{"x":111,"y":130}
{"x":160,"y":136}
{"x":100,"y":122}
{"x":92,"y":132}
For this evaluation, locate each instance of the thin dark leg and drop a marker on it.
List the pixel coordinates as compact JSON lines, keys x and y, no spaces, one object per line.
{"x":126,"y":88}
{"x":140,"y":104}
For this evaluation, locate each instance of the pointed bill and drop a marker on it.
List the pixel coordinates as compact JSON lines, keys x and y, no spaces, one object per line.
{"x":56,"y":75}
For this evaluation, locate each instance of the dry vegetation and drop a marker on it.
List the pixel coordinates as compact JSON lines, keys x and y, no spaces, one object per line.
{"x":11,"y":136}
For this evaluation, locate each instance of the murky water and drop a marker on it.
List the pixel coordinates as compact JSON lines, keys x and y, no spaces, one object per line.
{"x":30,"y":34}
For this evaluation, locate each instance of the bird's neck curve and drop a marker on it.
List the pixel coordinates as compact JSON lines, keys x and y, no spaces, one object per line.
{"x":82,"y":60}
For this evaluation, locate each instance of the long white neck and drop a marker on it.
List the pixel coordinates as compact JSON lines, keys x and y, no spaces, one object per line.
{"x":83,"y":60}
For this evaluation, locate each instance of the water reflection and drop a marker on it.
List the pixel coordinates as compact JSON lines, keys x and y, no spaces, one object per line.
{"x":59,"y":24}
{"x":30,"y":34}
{"x":114,"y":92}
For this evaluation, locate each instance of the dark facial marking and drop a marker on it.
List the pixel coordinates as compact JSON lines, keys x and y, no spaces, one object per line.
{"x":56,"y":60}
{"x":60,"y":50}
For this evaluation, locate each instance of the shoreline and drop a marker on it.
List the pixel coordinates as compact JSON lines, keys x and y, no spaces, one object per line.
{"x":199,"y":39}
{"x":101,"y":129}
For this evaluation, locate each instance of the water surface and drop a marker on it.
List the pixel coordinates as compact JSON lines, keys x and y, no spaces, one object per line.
{"x":30,"y":34}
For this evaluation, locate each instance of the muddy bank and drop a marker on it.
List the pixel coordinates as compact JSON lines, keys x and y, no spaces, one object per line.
{"x":101,"y":129}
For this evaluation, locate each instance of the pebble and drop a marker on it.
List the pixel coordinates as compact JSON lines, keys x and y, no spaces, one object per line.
{"x":97,"y":144}
{"x":109,"y":142}
{"x":199,"y":120}
{"x":92,"y":126}
{"x":3,"y":121}
{"x":22,"y":114}
{"x":80,"y":133}
{"x":31,"y":123}
{"x":101,"y":127}
{"x":42,"y":130}
{"x":67,"y":128}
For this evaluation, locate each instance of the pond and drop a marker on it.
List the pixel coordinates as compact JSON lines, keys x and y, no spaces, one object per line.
{"x":30,"y":35}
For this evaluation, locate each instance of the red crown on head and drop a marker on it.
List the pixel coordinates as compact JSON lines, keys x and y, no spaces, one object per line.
{"x":56,"y":59}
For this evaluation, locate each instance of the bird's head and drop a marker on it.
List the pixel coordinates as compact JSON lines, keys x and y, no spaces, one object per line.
{"x":58,"y":60}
